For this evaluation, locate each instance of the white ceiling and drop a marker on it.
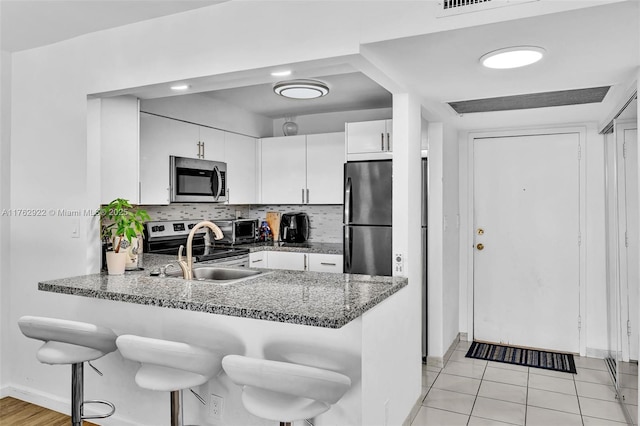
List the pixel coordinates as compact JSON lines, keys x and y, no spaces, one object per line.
{"x":25,"y":24}
{"x":588,"y":47}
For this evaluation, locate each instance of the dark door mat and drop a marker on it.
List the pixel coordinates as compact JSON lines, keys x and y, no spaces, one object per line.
{"x":520,"y":356}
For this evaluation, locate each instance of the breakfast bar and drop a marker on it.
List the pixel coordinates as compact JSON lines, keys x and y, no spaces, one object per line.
{"x":340,"y":322}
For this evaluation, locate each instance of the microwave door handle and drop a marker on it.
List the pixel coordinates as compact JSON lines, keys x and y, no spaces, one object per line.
{"x":215,"y":183}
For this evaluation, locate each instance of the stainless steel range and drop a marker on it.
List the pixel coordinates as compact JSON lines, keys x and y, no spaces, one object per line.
{"x":166,"y":237}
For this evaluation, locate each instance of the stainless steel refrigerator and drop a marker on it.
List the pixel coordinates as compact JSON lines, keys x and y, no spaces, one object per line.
{"x":425,"y":194}
{"x":367,"y":217}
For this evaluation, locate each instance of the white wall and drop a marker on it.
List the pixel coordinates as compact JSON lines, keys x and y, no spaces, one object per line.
{"x":331,"y":121}
{"x":451,"y":248}
{"x":202,"y":109}
{"x":5,"y":162}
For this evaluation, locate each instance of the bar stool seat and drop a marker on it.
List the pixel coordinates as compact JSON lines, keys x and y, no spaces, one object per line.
{"x":284,"y":391}
{"x":170,"y":367}
{"x":74,"y":343}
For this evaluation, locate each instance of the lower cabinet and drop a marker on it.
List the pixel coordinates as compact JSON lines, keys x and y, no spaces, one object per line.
{"x":325,"y":262}
{"x":287,"y":260}
{"x":302,"y":261}
{"x":258,"y":259}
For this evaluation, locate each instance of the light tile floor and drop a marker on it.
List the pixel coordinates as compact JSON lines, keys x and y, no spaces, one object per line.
{"x":469,"y":392}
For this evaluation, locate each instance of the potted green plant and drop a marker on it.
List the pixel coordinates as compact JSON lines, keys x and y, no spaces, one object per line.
{"x":120,"y":221}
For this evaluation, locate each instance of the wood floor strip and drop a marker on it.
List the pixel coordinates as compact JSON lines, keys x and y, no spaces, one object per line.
{"x":14,"y":412}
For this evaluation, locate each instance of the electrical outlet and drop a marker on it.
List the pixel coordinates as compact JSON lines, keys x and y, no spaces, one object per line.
{"x":399,"y":263}
{"x":216,"y":405}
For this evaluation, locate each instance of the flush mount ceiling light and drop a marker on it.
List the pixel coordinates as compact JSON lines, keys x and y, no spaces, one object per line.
{"x":301,"y":89}
{"x":283,"y":73}
{"x":180,"y":87}
{"x":512,"y":57}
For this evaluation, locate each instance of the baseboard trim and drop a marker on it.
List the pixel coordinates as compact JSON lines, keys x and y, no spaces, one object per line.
{"x":597,"y":353}
{"x":414,"y":411}
{"x":440,"y":361}
{"x":61,"y":405}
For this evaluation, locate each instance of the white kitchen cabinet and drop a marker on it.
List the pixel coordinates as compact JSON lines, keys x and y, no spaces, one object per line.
{"x":325,"y":168}
{"x":283,"y":175}
{"x":369,"y":137}
{"x":159,"y":138}
{"x":302,"y":169}
{"x":212,"y":144}
{"x":240,"y":156}
{"x":287,"y":260}
{"x":258,"y":259}
{"x":119,"y":139}
{"x":319,"y":262}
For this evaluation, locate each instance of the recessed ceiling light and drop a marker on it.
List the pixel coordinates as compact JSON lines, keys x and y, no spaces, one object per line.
{"x":281,"y":73}
{"x":301,"y":89}
{"x":512,"y":57}
{"x":180,"y":87}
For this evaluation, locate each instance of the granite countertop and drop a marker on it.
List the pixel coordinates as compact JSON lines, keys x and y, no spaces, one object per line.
{"x":317,"y":299}
{"x":308,"y":247}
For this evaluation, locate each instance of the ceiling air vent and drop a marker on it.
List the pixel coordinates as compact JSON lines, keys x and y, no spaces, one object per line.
{"x":455,"y":7}
{"x":532,"y":100}
{"x":450,"y":4}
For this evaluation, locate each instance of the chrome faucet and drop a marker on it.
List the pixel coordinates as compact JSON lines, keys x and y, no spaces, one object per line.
{"x":187,"y":267}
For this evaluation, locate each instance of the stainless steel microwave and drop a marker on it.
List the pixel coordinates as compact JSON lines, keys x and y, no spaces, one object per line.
{"x":197,"y":181}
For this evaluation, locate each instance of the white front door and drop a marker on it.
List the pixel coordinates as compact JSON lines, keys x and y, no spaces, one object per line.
{"x":527,"y":228}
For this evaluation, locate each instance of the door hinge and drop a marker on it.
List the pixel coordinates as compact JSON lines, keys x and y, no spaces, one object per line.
{"x":626,"y":239}
{"x":579,"y":152}
{"x":628,"y":327}
{"x":579,"y":239}
{"x":624,"y":150}
{"x":579,"y":322}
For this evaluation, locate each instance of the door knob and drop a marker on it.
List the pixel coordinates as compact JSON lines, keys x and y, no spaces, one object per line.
{"x":480,"y":246}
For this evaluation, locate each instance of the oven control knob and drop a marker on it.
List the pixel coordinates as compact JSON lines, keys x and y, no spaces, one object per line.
{"x":191,"y":225}
{"x":161,"y":228}
{"x":154,"y":229}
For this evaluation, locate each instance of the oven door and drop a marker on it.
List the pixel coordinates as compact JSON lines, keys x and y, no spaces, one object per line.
{"x":194,"y":180}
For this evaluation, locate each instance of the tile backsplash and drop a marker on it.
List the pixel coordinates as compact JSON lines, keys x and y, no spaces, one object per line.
{"x":325,"y":220}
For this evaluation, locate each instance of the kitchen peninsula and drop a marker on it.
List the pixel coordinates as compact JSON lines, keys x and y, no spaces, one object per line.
{"x":336,"y":321}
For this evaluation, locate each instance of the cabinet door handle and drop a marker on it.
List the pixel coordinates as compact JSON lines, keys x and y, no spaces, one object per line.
{"x":327,"y":264}
{"x":307,"y":195}
{"x":202,"y":149}
{"x":256,"y":261}
{"x":388,"y":142}
{"x":305,"y":262}
{"x":381,"y":141}
{"x":302,"y":195}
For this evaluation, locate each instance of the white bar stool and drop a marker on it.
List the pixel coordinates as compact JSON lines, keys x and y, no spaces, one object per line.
{"x":284,"y":391}
{"x":71,"y":342}
{"x":170,"y":367}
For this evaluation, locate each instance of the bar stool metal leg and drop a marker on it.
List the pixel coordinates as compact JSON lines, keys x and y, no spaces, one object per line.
{"x":77,"y":393}
{"x":176,"y":408}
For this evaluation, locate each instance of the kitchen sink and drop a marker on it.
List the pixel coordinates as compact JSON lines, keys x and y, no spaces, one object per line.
{"x":218,"y":274}
{"x":222,"y":274}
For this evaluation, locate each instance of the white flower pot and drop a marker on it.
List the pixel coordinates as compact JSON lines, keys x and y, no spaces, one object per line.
{"x":116,"y":262}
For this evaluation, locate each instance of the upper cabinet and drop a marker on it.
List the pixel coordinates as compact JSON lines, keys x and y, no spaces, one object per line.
{"x":369,"y":139}
{"x":162,"y":137}
{"x":302,"y":169}
{"x":240,"y":156}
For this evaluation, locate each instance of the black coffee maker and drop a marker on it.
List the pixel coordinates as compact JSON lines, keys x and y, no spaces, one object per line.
{"x":294,"y":227}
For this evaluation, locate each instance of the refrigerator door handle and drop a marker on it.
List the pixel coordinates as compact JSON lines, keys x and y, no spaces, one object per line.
{"x":347,"y":202}
{"x":347,"y":249}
